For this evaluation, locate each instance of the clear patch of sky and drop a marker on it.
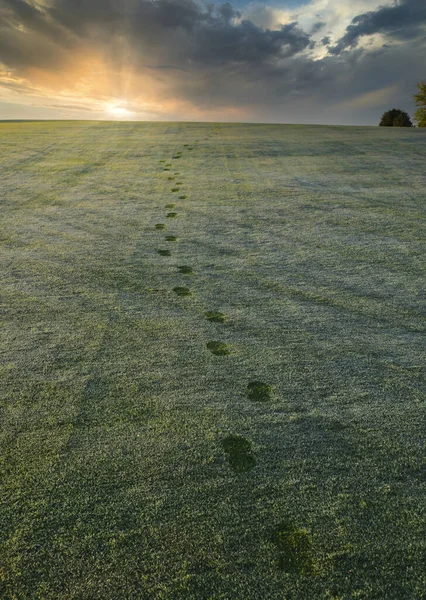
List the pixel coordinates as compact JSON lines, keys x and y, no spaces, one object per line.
{"x":283,"y":4}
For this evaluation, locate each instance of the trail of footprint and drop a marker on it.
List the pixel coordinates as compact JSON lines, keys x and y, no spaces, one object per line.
{"x":239,"y":453}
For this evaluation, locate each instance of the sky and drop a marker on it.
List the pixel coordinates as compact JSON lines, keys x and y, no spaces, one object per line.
{"x":284,"y":61}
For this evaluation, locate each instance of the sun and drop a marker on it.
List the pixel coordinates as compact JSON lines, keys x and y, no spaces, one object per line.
{"x":117,"y":111}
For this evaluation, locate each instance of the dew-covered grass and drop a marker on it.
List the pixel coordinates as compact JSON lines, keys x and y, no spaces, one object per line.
{"x":136,"y":464}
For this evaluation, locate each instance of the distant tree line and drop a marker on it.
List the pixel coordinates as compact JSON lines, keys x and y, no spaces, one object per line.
{"x":399,"y":118}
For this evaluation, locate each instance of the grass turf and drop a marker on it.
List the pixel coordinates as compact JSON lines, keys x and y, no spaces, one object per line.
{"x":135,"y":464}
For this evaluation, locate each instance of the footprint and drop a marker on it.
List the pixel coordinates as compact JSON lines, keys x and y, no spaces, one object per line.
{"x":259,"y":391}
{"x":162,"y":161}
{"x":182,"y":291}
{"x":171,"y":215}
{"x":239,"y":453}
{"x":171,"y":238}
{"x":179,"y":183}
{"x":216,"y":317}
{"x":171,"y":178}
{"x":218,"y":348}
{"x":166,"y":169}
{"x":164,"y":252}
{"x":176,"y":157}
{"x":160,"y":226}
{"x":176,"y":173}
{"x":183,"y":197}
{"x":185,"y":269}
{"x":170,"y":205}
{"x":175,"y":189}
{"x":294,"y":545}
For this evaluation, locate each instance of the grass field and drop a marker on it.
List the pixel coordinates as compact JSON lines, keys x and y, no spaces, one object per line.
{"x":214,"y":362}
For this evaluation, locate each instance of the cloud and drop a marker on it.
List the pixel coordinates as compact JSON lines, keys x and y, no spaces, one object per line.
{"x":403,"y":20}
{"x":184,"y":59}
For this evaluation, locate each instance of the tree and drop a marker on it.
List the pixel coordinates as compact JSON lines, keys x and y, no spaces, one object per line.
{"x":395,"y":118}
{"x":420,"y":100}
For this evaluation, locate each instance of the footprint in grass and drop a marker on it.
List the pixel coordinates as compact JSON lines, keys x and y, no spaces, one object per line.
{"x":166,"y":169}
{"x":160,"y":226}
{"x":218,"y":348}
{"x":182,"y":291}
{"x":171,"y":238}
{"x":215,"y":316}
{"x":170,"y":205}
{"x":183,"y":197}
{"x":259,"y":391}
{"x":185,"y":270}
{"x":171,"y":178}
{"x":164,"y":252}
{"x":171,"y":215}
{"x":294,"y":546}
{"x":175,"y":189}
{"x":239,"y":453}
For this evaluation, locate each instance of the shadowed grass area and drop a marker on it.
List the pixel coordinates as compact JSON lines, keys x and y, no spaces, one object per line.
{"x":185,"y":269}
{"x":239,"y":453}
{"x":182,"y":291}
{"x":215,"y":316}
{"x":258,"y":391}
{"x":218,"y":348}
{"x":294,"y":546}
{"x":118,"y":478}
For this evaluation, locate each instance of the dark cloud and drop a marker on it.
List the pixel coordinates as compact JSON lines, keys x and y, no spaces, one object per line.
{"x":317,"y":27}
{"x":403,"y":20}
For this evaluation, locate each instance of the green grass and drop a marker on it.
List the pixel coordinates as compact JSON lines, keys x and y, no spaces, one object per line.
{"x":182,"y":291}
{"x":134,"y":464}
{"x":239,"y":454}
{"x":215,"y":316}
{"x":259,"y":391}
{"x":186,"y":270}
{"x":218,"y":348}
